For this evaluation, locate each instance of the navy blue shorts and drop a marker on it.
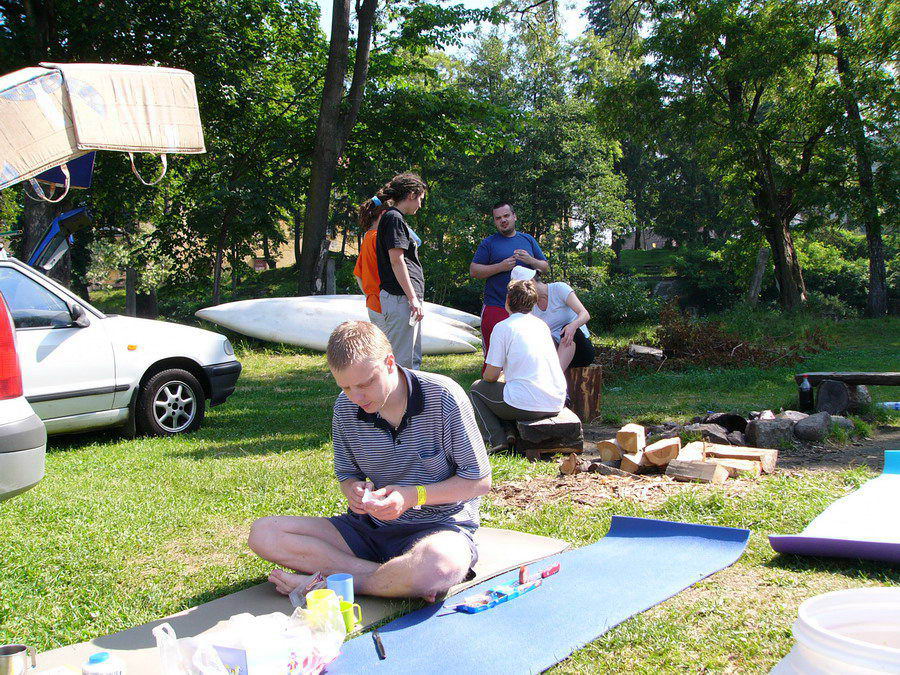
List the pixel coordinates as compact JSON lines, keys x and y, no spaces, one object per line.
{"x":380,"y":543}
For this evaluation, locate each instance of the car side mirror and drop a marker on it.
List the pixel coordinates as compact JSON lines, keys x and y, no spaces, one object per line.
{"x":79,"y":316}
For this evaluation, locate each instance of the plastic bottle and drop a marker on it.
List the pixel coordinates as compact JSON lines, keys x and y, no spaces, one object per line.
{"x":806,"y":395}
{"x":103,"y":663}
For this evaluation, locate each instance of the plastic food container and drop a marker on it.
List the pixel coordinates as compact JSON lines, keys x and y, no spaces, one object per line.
{"x":854,"y":632}
{"x":103,"y":663}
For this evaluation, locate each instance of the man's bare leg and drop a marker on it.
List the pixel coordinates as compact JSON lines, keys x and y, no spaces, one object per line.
{"x":308,"y":545}
{"x":428,"y":569}
{"x":304,"y":544}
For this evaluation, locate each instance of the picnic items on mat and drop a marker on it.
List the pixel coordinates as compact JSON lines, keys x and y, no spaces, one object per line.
{"x":302,"y":644}
{"x":862,"y":524}
{"x":103,"y":663}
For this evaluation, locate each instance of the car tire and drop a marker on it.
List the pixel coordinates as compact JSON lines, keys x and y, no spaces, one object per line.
{"x":172,"y":402}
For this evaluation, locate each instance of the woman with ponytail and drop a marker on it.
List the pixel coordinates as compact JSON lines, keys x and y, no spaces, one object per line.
{"x":366,"y":269}
{"x":402,"y":279}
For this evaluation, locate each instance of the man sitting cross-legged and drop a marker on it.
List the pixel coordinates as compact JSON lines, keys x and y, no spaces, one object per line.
{"x":414,"y":436}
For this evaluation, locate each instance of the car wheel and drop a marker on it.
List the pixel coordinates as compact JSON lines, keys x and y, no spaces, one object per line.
{"x":172,"y":402}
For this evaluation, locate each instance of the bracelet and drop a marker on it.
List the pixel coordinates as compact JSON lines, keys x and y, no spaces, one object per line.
{"x":421,"y":495}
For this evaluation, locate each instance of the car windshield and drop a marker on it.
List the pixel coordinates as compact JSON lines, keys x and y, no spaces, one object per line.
{"x":32,"y":305}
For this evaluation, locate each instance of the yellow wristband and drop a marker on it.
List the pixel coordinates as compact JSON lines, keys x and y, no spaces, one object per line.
{"x":421,"y":495}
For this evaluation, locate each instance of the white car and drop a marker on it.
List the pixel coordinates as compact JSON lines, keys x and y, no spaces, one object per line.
{"x":23,"y":438}
{"x":83,"y":369}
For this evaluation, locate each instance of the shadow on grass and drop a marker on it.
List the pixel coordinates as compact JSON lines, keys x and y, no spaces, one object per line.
{"x":852,"y":568}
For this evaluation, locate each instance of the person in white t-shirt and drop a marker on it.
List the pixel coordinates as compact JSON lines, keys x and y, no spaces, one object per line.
{"x":559,"y":307}
{"x":523,"y":350}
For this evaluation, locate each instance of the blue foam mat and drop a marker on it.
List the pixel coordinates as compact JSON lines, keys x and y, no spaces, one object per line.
{"x":638,"y":564}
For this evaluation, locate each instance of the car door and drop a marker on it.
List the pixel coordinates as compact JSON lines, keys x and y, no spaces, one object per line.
{"x":66,"y":369}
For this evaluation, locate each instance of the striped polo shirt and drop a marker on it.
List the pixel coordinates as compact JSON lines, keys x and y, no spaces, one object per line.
{"x":436,"y":439}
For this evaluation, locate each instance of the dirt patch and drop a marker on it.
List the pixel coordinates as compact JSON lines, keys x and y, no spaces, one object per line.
{"x":592,"y":489}
{"x":868,"y":452}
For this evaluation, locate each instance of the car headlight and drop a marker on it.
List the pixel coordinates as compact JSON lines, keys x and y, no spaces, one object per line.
{"x":226,"y":345}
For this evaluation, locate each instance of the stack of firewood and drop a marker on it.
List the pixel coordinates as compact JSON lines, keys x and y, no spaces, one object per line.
{"x":698,"y":461}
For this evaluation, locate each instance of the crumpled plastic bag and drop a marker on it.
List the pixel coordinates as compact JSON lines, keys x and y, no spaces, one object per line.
{"x":301,"y":644}
{"x":188,"y":656}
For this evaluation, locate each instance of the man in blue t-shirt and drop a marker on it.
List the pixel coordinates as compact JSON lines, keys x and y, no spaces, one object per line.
{"x":495,"y":257}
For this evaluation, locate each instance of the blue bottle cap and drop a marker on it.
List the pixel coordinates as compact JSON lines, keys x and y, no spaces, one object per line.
{"x":99,"y":657}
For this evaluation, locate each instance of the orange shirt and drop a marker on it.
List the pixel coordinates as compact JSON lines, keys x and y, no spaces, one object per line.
{"x":367,"y":270}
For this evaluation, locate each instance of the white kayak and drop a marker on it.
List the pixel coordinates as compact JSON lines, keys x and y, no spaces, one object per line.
{"x":309,"y":320}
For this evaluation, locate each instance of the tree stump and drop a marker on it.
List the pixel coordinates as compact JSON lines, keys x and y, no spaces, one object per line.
{"x":586,"y":391}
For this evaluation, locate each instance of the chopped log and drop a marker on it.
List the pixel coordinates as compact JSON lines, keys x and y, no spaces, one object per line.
{"x":699,"y":472}
{"x":631,"y":438}
{"x":767,"y":458}
{"x":662,"y":452}
{"x":738,"y":467}
{"x":606,"y":470}
{"x":633,"y":462}
{"x":569,"y":465}
{"x":586,"y":391}
{"x":692,"y":452}
{"x":609,"y":450}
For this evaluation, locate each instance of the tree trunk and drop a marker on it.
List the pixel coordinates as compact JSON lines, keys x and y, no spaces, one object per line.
{"x":298,"y":237}
{"x":876,"y":302}
{"x":146,"y":306}
{"x":267,"y":254}
{"x":130,"y":291}
{"x":220,"y":252}
{"x":759,"y":270}
{"x":333,"y":129}
{"x":791,"y":288}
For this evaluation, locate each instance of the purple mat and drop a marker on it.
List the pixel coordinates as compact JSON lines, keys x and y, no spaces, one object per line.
{"x":861,"y":525}
{"x":835,"y":548}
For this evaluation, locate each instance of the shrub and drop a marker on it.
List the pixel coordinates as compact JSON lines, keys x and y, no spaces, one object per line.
{"x":618,"y":300}
{"x":715,"y":276}
{"x":828,"y":306}
{"x":828,"y":271}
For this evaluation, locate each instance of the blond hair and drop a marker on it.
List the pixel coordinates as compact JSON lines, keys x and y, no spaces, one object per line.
{"x":521,"y":296}
{"x":356,"y":341}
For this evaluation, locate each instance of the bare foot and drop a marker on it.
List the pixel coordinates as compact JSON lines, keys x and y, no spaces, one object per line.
{"x":285,"y":581}
{"x":429,"y":598}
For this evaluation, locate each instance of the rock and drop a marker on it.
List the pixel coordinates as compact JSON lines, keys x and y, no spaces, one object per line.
{"x":814,"y":428}
{"x":860,"y":398}
{"x":736,"y":438}
{"x":766,"y":415}
{"x":667,"y":433}
{"x":642,"y":352}
{"x":769,"y":433}
{"x":710,"y":432}
{"x":842,"y":422}
{"x":754,"y":415}
{"x":669,"y":288}
{"x":730,"y":421}
{"x":832,"y":397}
{"x":792,"y":415}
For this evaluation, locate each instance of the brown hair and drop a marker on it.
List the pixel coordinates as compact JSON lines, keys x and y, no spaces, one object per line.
{"x":395,"y":190}
{"x":500,"y":205}
{"x":521,"y":296}
{"x":356,"y":341}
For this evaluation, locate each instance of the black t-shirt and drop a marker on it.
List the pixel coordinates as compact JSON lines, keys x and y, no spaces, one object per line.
{"x":393,"y":232}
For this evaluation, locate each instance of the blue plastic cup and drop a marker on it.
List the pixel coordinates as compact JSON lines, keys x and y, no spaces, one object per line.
{"x":342,"y":585}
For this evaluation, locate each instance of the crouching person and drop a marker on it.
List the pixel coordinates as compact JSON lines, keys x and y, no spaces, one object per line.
{"x":414,"y":436}
{"x":523,"y":351}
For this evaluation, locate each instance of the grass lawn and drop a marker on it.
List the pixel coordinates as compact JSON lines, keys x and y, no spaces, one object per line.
{"x":121,"y":532}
